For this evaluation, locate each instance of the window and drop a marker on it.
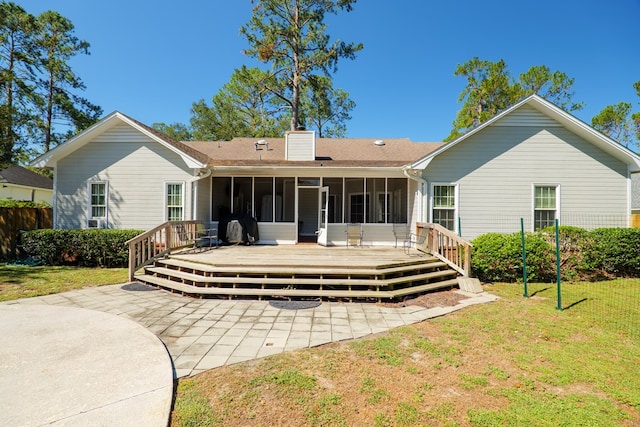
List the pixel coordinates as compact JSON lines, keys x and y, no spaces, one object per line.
{"x":545,"y":203}
{"x":444,"y":206}
{"x":359,"y":204}
{"x":98,"y":199}
{"x":377,"y":210}
{"x":397,"y":207}
{"x":175,"y":202}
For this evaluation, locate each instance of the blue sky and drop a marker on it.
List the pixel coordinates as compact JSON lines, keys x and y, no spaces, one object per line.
{"x":151,"y":59}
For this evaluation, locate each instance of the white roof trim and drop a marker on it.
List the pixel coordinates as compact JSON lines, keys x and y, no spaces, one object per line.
{"x":569,"y":121}
{"x":50,"y":158}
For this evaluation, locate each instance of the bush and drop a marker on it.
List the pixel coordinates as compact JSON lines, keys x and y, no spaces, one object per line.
{"x":585,"y":255}
{"x":88,"y":248}
{"x":498,"y":257}
{"x":614,"y":252}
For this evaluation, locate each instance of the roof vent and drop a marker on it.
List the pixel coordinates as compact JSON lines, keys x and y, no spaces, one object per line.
{"x":378,"y":142}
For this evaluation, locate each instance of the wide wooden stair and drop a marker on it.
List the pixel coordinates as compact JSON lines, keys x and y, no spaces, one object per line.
{"x":335,"y":279}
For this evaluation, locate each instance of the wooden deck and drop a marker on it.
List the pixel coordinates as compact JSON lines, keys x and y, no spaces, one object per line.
{"x":299,"y":272}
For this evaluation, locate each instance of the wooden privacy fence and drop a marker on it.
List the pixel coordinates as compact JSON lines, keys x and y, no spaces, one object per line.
{"x":15,"y":220}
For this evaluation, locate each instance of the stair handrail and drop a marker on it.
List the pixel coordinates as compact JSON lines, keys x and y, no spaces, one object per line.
{"x":159,"y":241}
{"x":446,"y":246}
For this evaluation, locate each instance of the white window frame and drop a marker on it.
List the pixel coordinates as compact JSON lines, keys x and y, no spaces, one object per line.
{"x":166,"y":199}
{"x":533,"y":201}
{"x":456,"y":201}
{"x":90,"y":204}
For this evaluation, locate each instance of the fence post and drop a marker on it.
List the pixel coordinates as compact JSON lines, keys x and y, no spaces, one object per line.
{"x":524,"y":259}
{"x":559,"y":307}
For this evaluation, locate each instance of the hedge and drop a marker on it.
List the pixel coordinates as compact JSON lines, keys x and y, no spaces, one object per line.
{"x":87,"y":248}
{"x":585,"y":255}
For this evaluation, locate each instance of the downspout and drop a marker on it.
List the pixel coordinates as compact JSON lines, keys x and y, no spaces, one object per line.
{"x":423,"y":183}
{"x":194,"y":191}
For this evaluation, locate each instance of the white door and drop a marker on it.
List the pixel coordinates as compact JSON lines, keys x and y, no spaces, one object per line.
{"x":323,"y":207}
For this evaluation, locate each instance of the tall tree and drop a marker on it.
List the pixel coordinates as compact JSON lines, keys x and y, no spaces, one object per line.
{"x":491,"y":89}
{"x":327,"y":109}
{"x":58,"y":100}
{"x":242,"y":107}
{"x":177,"y":131}
{"x":619,"y":123}
{"x":18,"y":62}
{"x":290,"y":35}
{"x":554,"y":86}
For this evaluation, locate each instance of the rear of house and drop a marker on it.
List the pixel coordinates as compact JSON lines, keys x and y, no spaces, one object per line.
{"x":534,"y":163}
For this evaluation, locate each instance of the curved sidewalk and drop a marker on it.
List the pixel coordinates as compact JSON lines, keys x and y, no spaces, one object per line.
{"x":67,"y":366}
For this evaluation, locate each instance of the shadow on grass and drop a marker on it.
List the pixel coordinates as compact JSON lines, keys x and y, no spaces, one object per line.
{"x":538,"y":291}
{"x":573,"y":304}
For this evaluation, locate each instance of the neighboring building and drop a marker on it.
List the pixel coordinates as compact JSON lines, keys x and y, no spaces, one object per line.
{"x":19,"y":183}
{"x":532,"y":161}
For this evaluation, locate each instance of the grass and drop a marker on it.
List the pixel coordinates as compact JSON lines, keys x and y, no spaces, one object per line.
{"x":518,"y":361}
{"x":514,"y":362}
{"x":24,"y":282}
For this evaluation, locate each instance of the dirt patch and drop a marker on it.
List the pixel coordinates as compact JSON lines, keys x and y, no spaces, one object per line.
{"x":432,"y":299}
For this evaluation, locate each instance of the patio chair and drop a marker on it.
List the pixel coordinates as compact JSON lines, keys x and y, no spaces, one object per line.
{"x":400,"y":232}
{"x":414,"y":241}
{"x":354,"y":234}
{"x":205,"y":237}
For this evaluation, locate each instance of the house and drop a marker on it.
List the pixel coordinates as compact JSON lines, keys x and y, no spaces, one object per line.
{"x":533,"y":161}
{"x":19,"y":183}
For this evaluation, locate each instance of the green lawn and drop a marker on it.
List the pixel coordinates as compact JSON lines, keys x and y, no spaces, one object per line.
{"x":23,"y":281}
{"x":514,"y":362}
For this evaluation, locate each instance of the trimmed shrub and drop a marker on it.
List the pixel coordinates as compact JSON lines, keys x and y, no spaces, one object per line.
{"x":614,"y":252}
{"x":584,"y":255}
{"x":575,"y":242}
{"x":498,"y":257}
{"x":89,"y":248}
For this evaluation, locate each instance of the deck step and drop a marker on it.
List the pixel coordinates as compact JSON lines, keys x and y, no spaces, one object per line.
{"x":287,"y":269}
{"x":199,"y":280}
{"x":286,"y":292}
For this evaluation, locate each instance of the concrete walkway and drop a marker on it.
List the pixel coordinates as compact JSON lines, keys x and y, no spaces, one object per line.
{"x":199,"y":334}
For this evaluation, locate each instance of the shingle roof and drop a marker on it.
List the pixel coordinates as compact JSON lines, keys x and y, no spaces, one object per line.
{"x":179,"y":145}
{"x":20,"y":176}
{"x":339,"y":152}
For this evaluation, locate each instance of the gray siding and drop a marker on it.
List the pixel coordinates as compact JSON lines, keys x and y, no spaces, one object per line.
{"x":136,"y":169}
{"x":496,"y":169}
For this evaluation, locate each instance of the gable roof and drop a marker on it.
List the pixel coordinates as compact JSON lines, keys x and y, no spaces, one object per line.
{"x":192,"y":158}
{"x":330,"y":152}
{"x":550,"y":110}
{"x":21,"y":176}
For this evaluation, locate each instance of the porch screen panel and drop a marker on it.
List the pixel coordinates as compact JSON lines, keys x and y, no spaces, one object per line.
{"x":285,"y":199}
{"x":264,"y":199}
{"x":357,"y":203}
{"x":242,"y":195}
{"x":377,"y":209}
{"x":336,"y":199}
{"x":397,"y":189}
{"x":220,"y":197}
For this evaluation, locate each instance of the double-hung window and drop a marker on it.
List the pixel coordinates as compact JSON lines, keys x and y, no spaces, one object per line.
{"x":97,"y":200}
{"x":175,"y":201}
{"x":545,"y":205}
{"x":444,"y":204}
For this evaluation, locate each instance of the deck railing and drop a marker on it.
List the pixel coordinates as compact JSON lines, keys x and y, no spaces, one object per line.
{"x":159,"y":241}
{"x":446,"y":246}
